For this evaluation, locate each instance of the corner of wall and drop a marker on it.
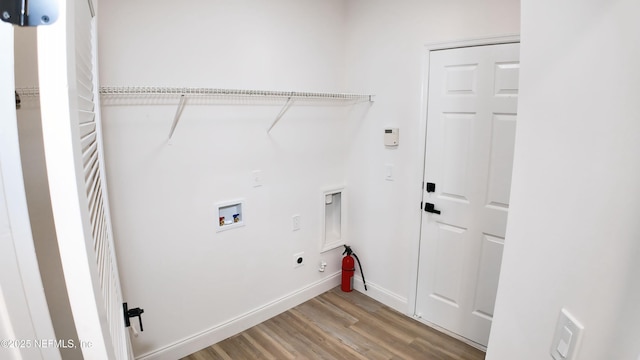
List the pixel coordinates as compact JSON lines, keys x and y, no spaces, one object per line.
{"x":242,"y":322}
{"x":386,"y":297}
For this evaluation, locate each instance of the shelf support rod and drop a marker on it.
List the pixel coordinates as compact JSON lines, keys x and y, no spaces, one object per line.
{"x":176,"y":117}
{"x":286,"y":107}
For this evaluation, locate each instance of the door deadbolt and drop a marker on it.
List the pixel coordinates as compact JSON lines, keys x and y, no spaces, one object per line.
{"x":431,"y":187}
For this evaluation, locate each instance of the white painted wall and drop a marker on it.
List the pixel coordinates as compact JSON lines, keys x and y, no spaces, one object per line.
{"x":573,"y":232}
{"x":385,"y":55}
{"x":192,"y":281}
{"x":197,"y":285}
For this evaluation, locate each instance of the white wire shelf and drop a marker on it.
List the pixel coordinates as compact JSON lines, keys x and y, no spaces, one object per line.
{"x":184,"y":92}
{"x":28,"y":92}
{"x":190,"y":91}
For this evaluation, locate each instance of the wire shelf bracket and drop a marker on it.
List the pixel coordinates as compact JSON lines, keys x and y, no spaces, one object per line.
{"x":176,"y":117}
{"x":286,"y":107}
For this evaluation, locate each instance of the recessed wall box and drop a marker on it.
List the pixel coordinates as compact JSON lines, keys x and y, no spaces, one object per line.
{"x":230,"y":215}
{"x":391,"y":136}
{"x":334,"y":218}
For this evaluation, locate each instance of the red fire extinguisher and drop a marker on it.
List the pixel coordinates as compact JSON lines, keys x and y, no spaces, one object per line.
{"x":349,"y":268}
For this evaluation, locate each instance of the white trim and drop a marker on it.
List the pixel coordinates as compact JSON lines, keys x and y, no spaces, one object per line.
{"x":400,"y":304}
{"x":382,"y":295}
{"x":414,"y":260}
{"x":28,"y":310}
{"x":242,"y":322}
{"x":449,"y":333}
{"x":483,"y":41}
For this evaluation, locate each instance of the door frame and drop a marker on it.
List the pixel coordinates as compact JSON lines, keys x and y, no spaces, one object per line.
{"x":422,"y":143}
{"x":21,"y":288}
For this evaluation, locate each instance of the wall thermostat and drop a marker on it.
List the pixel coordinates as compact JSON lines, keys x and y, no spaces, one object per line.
{"x":391,"y":136}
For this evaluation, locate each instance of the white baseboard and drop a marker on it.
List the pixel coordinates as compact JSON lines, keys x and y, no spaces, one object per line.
{"x":401,"y":304}
{"x":452,"y":334}
{"x":243,"y":322}
{"x":382,"y":295}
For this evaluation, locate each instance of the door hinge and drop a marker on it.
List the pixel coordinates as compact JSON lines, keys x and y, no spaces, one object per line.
{"x":129,"y":313}
{"x":29,"y":12}
{"x":17,"y":101}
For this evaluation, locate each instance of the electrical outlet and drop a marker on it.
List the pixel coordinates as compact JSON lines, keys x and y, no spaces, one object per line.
{"x":298,"y":259}
{"x":295,"y":222}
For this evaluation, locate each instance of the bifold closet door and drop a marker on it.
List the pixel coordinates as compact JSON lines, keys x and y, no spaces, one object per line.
{"x":73,"y":151}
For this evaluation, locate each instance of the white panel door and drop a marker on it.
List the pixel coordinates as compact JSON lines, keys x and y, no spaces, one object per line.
{"x":73,"y":153}
{"x":471,"y":121}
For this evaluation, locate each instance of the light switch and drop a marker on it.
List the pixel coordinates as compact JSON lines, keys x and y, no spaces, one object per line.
{"x":388,"y":172}
{"x":566,"y":340}
{"x":295,"y":222}
{"x":256,"y":176}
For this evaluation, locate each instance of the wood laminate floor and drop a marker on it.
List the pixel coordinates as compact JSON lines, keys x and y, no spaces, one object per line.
{"x":337,"y":325}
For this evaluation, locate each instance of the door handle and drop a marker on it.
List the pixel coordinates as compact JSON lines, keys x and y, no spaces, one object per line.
{"x":129,"y":313}
{"x":429,"y":207}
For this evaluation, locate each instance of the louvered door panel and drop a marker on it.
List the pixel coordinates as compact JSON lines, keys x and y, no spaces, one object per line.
{"x":94,"y":182}
{"x":84,"y":228}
